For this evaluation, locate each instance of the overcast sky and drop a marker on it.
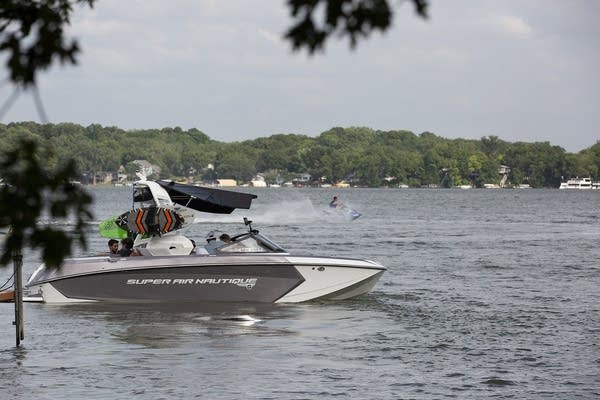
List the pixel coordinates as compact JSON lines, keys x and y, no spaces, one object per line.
{"x":525,"y":70}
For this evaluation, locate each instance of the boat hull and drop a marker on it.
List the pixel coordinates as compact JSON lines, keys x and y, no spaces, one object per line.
{"x":247,"y":278}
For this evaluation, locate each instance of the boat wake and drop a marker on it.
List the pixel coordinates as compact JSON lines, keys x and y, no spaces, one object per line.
{"x":241,"y":320}
{"x":296,"y":212}
{"x":285,"y":212}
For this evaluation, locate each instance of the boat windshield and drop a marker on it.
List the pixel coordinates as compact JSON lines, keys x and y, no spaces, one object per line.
{"x":251,"y":243}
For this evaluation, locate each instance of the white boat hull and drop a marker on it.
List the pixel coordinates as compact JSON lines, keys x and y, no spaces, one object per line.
{"x":325,"y":280}
{"x":250,"y":278}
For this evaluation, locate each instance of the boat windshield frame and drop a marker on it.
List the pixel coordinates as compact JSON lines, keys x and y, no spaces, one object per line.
{"x":250,"y":242}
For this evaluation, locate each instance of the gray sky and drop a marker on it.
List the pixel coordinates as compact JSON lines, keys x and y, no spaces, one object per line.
{"x":525,"y":70}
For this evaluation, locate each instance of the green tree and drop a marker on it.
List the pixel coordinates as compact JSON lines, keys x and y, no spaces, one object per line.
{"x":541,"y":164}
{"x":30,"y":191}
{"x":33,"y":32}
{"x":353,"y":18}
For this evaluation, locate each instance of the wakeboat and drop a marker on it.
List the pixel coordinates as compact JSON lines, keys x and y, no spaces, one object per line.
{"x":250,"y":268}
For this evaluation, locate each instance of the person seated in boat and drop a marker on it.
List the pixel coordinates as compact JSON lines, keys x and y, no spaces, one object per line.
{"x":225,"y":238}
{"x":127,"y":249}
{"x":113,"y":247}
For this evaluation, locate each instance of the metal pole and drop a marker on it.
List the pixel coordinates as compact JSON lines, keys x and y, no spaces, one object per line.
{"x":18,"y":269}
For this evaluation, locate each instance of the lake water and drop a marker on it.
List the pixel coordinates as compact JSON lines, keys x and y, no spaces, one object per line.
{"x":488,"y":294}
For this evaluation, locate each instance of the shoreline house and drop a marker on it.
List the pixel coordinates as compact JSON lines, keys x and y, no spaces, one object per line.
{"x":146,"y":168}
{"x":302,"y":180}
{"x":226,"y":182}
{"x":258,"y":181}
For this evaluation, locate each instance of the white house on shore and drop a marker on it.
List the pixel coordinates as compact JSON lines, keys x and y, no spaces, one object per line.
{"x":226,"y":182}
{"x":258,"y":181}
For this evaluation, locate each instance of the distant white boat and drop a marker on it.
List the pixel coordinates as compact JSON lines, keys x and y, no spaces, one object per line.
{"x":580,"y":183}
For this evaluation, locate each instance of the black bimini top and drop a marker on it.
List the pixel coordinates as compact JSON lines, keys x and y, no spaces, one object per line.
{"x":207,"y":199}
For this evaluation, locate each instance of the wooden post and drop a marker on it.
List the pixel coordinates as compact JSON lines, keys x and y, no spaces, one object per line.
{"x":18,"y":269}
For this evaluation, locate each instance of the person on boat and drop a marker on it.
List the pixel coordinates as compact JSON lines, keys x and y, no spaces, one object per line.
{"x":113,"y":247}
{"x":225,"y":238}
{"x":127,"y":249}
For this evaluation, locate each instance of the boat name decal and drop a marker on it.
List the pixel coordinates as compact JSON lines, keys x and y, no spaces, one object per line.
{"x":247,"y":283}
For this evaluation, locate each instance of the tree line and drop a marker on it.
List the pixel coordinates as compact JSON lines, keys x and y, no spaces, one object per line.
{"x":360,"y":155}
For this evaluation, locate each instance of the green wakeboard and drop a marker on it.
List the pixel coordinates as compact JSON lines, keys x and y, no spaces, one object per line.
{"x":109,"y":229}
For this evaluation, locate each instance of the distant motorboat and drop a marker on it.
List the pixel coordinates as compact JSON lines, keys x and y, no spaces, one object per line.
{"x":580,"y":183}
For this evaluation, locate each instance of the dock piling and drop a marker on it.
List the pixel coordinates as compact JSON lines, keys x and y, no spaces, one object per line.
{"x":18,"y":282}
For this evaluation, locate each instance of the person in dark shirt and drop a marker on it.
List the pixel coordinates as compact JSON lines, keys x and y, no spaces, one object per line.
{"x":113,"y":247}
{"x":334,"y":203}
{"x":127,"y":248}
